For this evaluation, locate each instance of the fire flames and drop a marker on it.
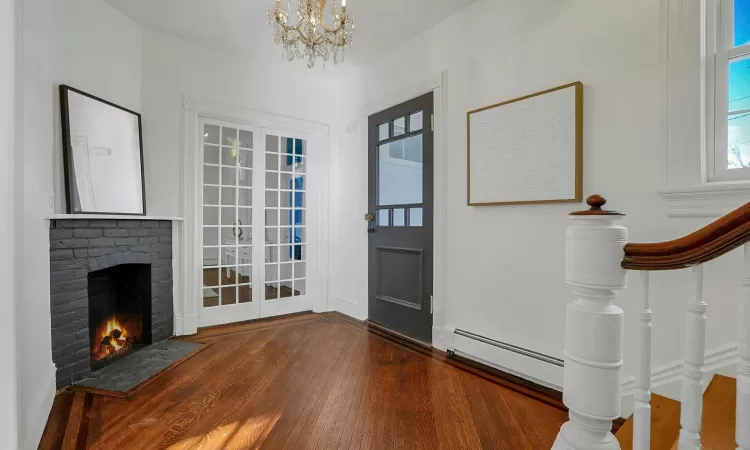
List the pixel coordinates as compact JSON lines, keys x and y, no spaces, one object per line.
{"x":114,"y":338}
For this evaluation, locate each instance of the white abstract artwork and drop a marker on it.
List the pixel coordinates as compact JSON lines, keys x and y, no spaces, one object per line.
{"x":103,"y":155}
{"x":527,"y":151}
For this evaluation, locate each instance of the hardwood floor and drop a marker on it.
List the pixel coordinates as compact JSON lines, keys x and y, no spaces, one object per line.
{"x":304,"y":382}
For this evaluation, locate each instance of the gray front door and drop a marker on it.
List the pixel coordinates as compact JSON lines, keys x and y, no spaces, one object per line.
{"x":401,"y":213}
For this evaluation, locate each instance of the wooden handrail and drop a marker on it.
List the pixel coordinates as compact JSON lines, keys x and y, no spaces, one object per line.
{"x":706,"y":244}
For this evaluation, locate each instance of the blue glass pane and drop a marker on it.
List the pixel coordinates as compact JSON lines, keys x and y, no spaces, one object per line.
{"x":741,"y":22}
{"x":738,"y":141}
{"x":293,"y":147}
{"x":739,"y":85}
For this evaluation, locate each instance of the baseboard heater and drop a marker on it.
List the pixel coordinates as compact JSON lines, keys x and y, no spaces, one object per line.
{"x":526,"y":363}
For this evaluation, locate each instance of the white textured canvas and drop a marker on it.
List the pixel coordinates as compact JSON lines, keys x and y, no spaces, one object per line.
{"x":524,"y":151}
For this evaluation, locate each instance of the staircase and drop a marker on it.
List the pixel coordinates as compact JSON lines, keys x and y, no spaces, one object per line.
{"x":598,"y":257}
{"x":718,"y":419}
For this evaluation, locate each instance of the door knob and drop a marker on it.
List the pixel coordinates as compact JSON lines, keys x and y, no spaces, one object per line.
{"x":369,"y":217}
{"x":371,"y":230}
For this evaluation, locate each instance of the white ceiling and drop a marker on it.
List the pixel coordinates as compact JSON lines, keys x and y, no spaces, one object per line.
{"x":379,"y":25}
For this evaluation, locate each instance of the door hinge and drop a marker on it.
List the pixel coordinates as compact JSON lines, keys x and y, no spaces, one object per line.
{"x":432,"y":122}
{"x":432,"y":298}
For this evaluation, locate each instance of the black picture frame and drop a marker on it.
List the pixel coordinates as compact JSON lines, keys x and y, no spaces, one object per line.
{"x":68,"y":167}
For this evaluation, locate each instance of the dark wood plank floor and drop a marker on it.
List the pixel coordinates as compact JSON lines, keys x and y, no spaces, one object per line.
{"x":309,"y":381}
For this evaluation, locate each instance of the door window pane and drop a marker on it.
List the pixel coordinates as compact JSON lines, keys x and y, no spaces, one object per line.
{"x":400,"y":180}
{"x":246,"y":139}
{"x":211,"y":259}
{"x":399,"y":126}
{"x":285,"y":290}
{"x":211,"y":134}
{"x":228,"y":216}
{"x":229,"y":295}
{"x":399,"y":220}
{"x":210,"y":175}
{"x":415,"y":217}
{"x":210,"y":195}
{"x":383,"y":132}
{"x":228,"y":196}
{"x":229,"y":136}
{"x":210,"y":154}
{"x":300,"y":287}
{"x":210,"y":215}
{"x":210,"y":236}
{"x":415,"y":121}
{"x":245,"y":158}
{"x":246,"y":178}
{"x":272,"y":143}
{"x":382,"y":217}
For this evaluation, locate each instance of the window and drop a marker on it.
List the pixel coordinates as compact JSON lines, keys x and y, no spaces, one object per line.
{"x":731,"y":113}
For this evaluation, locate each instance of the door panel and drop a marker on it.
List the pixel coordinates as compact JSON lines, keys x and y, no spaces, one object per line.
{"x":401,"y":207}
{"x":228,"y":152}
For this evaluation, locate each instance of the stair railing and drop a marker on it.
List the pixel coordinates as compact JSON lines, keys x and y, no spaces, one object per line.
{"x":597,"y":257}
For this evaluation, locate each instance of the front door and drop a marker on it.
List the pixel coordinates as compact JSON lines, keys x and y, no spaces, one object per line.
{"x":401,"y":218}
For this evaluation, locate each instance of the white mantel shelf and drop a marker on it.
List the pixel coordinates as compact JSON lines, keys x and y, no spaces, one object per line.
{"x":111,"y":217}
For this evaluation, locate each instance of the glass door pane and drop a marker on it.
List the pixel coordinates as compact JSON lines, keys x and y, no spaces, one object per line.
{"x":227,"y":217}
{"x":285,"y":206}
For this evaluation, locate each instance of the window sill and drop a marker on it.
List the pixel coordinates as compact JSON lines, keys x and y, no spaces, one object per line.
{"x":707,"y":200}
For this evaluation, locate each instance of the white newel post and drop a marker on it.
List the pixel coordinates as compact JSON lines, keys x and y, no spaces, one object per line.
{"x":593,"y":329}
{"x":743,"y":366}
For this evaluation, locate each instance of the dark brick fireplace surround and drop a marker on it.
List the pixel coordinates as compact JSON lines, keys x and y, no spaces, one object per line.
{"x":81,"y":246}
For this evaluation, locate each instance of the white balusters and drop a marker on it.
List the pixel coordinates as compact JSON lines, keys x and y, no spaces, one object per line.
{"x":593,"y":332}
{"x":642,"y":414}
{"x":743,"y":365}
{"x":692,"y":382}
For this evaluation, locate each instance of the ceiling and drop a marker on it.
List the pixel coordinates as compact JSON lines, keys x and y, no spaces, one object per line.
{"x":379,"y":25}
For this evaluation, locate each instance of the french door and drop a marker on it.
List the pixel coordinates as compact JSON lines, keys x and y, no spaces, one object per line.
{"x":254,"y":223}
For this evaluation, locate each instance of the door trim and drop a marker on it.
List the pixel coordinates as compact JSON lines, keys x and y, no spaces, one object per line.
{"x":437,"y":84}
{"x":186,"y":306}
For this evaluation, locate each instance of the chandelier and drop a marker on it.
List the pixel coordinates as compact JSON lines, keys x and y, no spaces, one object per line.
{"x":310,"y":38}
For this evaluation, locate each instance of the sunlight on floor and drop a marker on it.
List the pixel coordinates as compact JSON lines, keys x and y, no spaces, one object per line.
{"x":236,"y":435}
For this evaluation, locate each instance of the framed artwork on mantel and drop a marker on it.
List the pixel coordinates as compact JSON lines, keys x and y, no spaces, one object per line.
{"x":102,"y":155}
{"x":528,"y":150}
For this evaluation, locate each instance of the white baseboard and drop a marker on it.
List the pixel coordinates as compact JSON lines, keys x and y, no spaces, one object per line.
{"x":185,"y":325}
{"x":36,"y":412}
{"x":439,"y":338}
{"x":350,"y":308}
{"x":666,"y":379}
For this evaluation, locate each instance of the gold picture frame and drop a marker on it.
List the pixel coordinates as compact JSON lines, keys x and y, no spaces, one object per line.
{"x":578,"y":148}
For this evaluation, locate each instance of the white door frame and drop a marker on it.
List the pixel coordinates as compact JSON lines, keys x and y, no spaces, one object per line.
{"x":317,"y":134}
{"x":436,"y":85}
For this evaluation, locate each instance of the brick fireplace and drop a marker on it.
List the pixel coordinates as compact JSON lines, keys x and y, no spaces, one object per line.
{"x":111,"y":291}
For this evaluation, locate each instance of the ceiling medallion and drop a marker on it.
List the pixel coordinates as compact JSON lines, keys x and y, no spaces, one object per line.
{"x":310,"y":38}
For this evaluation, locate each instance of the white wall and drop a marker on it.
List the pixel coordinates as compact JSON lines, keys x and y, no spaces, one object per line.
{"x":9,"y":68}
{"x":505,"y":265}
{"x":91,"y":46}
{"x":174,"y":67}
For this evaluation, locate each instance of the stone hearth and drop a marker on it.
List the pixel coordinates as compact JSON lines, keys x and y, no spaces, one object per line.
{"x":81,"y":246}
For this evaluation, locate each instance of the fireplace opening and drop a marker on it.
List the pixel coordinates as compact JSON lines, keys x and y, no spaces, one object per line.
{"x":119,"y":312}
